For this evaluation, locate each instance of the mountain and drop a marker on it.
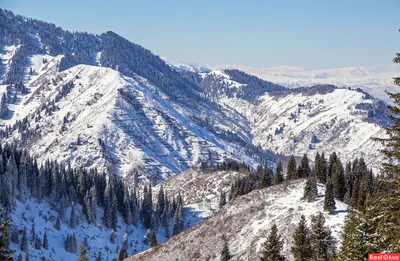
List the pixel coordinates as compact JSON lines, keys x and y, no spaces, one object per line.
{"x":246,"y":222}
{"x":304,"y":120}
{"x":179,"y":66}
{"x":372,"y":79}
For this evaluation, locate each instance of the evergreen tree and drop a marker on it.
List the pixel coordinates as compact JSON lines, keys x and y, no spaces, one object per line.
{"x":160,"y":201}
{"x":26,"y":255}
{"x":322,"y":242}
{"x":304,"y":167}
{"x":24,"y":241}
{"x":122,"y":255}
{"x":291,"y":170}
{"x":338,"y":179}
{"x":45,"y":241}
{"x":278,"y":178}
{"x":178,"y":220}
{"x":320,"y":167}
{"x":153,"y":239}
{"x":301,"y":248}
{"x":20,"y":258}
{"x":58,"y":223}
{"x":310,"y":190}
{"x":272,"y":248}
{"x":329,"y":200}
{"x":222,"y":199}
{"x":5,"y":252}
{"x":83,"y":253}
{"x":225,"y":253}
{"x":72,"y":220}
{"x":113,"y":236}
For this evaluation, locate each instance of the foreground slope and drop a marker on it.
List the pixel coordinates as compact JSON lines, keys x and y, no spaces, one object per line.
{"x":245,"y":222}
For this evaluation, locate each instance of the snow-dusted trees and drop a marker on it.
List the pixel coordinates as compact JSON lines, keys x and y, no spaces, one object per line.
{"x":329,"y":200}
{"x":310,"y":190}
{"x":5,"y":252}
{"x":3,"y":107}
{"x":225,"y":253}
{"x":153,"y":239}
{"x":110,"y":205}
{"x":272,"y":248}
{"x":278,"y":177}
{"x":301,"y":248}
{"x":147,"y":207}
{"x":73,"y":219}
{"x":291,"y":170}
{"x":322,"y":242}
{"x":179,"y":224}
{"x":45,"y":241}
{"x":71,"y":243}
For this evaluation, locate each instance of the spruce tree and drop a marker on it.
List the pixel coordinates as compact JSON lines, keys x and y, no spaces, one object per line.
{"x":225,"y":253}
{"x":278,"y":178}
{"x":83,"y":253}
{"x":272,"y":248}
{"x":58,"y":223}
{"x":222,"y":199}
{"x":122,"y":254}
{"x":72,"y":220}
{"x":301,"y":248}
{"x":304,"y":168}
{"x":153,"y":239}
{"x":322,"y":242}
{"x":5,"y":252}
{"x":24,"y":241}
{"x":291,"y":170}
{"x":45,"y":241}
{"x":338,"y":179}
{"x":329,"y":200}
{"x":310,"y":190}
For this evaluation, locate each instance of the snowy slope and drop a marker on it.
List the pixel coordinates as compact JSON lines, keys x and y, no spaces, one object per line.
{"x":342,"y":120}
{"x":246,"y":222}
{"x":98,"y":237}
{"x":139,"y":128}
{"x":179,"y":66}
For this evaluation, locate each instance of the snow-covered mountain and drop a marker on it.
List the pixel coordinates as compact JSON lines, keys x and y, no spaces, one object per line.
{"x":179,"y":66}
{"x":246,"y":222}
{"x":373,"y":79}
{"x":306,"y":120}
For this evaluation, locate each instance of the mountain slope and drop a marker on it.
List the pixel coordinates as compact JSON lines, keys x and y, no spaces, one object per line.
{"x":245,"y":222}
{"x":306,"y":120}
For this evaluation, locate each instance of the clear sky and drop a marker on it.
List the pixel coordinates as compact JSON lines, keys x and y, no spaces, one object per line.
{"x":311,"y":34}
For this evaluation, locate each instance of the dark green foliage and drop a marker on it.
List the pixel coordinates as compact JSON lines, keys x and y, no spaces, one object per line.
{"x":301,"y":248}
{"x":278,"y":177}
{"x":322,"y":242}
{"x":310,"y":190}
{"x":291,"y":172}
{"x":304,"y":168}
{"x":272,"y":248}
{"x":320,"y":167}
{"x":5,"y":252}
{"x":329,"y":200}
{"x":339,"y":181}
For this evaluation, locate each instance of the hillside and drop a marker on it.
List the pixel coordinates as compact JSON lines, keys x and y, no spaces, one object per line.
{"x":307,"y":120}
{"x":245,"y":222}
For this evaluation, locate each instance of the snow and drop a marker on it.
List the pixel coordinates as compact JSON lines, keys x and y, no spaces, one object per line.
{"x":179,"y":66}
{"x":245,"y":222}
{"x":38,"y":67}
{"x":6,"y":55}
{"x":98,"y":236}
{"x":372,"y":79}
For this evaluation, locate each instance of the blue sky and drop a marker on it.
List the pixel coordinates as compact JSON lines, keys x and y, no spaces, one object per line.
{"x":311,"y":34}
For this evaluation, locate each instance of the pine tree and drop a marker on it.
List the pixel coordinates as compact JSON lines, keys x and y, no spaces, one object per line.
{"x":24,"y":241}
{"x":122,"y":255}
{"x":72,"y":220}
{"x":26,"y":255}
{"x":278,"y":178}
{"x":225,"y":253}
{"x":310,"y":190}
{"x":5,"y":252}
{"x":178,"y":220}
{"x":322,"y":242}
{"x":304,"y":168}
{"x":301,"y":248}
{"x":83,"y":253}
{"x":338,"y":179}
{"x":58,"y":223}
{"x":222,"y":199}
{"x":45,"y":241}
{"x":291,"y":172}
{"x":272,"y":248}
{"x":153,"y":239}
{"x":320,"y":167}
{"x":329,"y":200}
{"x":113,"y":236}
{"x":20,"y":258}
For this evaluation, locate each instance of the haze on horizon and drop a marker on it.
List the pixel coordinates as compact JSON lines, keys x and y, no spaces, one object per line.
{"x":306,"y":34}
